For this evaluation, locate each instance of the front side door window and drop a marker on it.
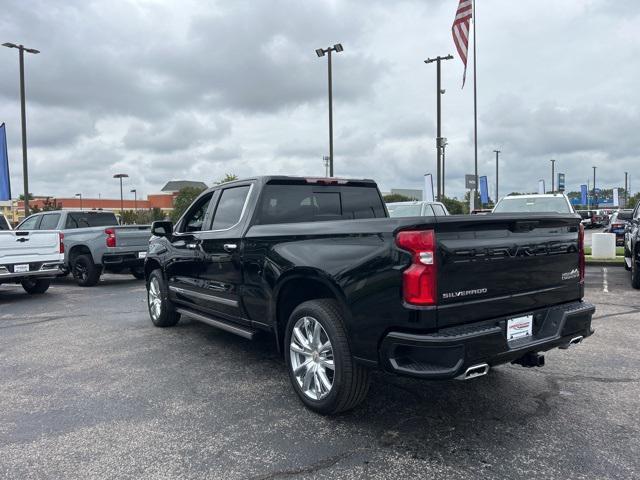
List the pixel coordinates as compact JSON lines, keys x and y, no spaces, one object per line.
{"x":30,"y":223}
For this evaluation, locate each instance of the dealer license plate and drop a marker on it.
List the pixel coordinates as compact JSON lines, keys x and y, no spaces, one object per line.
{"x":142,"y":254}
{"x":20,"y":268}
{"x":519,"y":327}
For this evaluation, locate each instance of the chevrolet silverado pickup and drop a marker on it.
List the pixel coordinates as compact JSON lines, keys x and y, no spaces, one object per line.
{"x":31,"y":259}
{"x":95,"y":243}
{"x":343,"y":288}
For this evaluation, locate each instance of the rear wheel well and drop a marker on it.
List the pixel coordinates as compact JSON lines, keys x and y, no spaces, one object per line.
{"x":77,"y":251}
{"x":292,"y":294}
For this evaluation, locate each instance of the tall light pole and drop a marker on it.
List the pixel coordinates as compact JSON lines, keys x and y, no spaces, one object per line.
{"x":443,"y":145}
{"x":553,"y":172}
{"x":135,"y":199}
{"x":321,"y":52}
{"x":325,"y":161}
{"x":121,"y":176}
{"x":80,"y":195}
{"x":595,"y":197}
{"x":439,"y":92}
{"x":25,"y":171}
{"x":497,"y":152}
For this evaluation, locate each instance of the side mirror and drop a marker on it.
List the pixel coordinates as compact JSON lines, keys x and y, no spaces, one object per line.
{"x":162,"y":228}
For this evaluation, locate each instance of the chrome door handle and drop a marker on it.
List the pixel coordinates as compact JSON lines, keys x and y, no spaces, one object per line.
{"x":192,"y":246}
{"x":230,"y":247}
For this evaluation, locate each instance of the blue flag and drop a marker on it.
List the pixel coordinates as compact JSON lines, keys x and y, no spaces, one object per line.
{"x":5,"y":181}
{"x":583,"y":191}
{"x":484,"y":190}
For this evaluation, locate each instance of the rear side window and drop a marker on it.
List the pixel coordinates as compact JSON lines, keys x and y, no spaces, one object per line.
{"x":49,"y":222}
{"x":439,"y":211}
{"x":291,"y":203}
{"x":30,"y":223}
{"x":89,"y":219}
{"x":230,"y":206}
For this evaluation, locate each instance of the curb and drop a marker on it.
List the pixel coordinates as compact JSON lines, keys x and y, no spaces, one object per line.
{"x":605,"y":263}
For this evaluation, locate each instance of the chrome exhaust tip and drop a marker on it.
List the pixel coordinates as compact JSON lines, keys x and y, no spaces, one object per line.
{"x":576,"y":340}
{"x":474,"y":371}
{"x":572,"y":342}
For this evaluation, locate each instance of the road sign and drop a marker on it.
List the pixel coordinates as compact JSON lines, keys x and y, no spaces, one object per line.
{"x":470,"y":182}
{"x":561,"y":182}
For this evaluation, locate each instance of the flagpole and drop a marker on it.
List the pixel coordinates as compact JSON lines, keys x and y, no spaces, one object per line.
{"x":475,"y":102}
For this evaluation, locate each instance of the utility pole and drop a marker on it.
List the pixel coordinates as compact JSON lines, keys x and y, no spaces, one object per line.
{"x":553,"y":176}
{"x":443,"y":145}
{"x":320,"y":52}
{"x":439,"y":93}
{"x":325,"y":160}
{"x":595,"y":197}
{"x":626,"y":189}
{"x":25,"y":172}
{"x":135,"y":199}
{"x":497,"y":152}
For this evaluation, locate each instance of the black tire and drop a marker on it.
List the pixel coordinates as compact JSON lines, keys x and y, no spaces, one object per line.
{"x":138,"y":273}
{"x":350,"y":379}
{"x":166,"y":315}
{"x":86,"y":273}
{"x":635,"y":272}
{"x":35,"y":286}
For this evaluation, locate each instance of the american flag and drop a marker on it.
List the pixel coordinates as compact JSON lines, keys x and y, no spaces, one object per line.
{"x":460,"y":31}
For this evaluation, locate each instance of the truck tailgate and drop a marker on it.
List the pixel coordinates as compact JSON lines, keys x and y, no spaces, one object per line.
{"x":134,"y":236}
{"x":22,"y":246}
{"x":500,"y":264}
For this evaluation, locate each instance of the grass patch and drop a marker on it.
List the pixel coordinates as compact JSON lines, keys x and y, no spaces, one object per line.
{"x":612,"y":261}
{"x":619,"y":251}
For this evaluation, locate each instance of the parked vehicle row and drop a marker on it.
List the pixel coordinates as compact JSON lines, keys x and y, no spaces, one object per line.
{"x":344,"y":289}
{"x":94,"y":243}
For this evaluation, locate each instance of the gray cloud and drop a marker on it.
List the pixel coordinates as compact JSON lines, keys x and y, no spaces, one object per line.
{"x":193,"y":89}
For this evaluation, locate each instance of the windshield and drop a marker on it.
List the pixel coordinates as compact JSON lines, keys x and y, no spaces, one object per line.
{"x":532,"y":204}
{"x":405,"y":210}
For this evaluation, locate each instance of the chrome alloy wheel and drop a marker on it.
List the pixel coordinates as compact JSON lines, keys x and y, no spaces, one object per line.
{"x":312,"y":358}
{"x":155,"y":301}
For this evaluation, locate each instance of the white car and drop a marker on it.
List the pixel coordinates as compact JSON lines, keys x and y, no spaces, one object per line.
{"x":417,"y":209}
{"x":549,"y":202}
{"x":31,"y":258}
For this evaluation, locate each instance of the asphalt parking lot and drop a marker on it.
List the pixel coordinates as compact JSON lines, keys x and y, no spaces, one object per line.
{"x":90,"y":389}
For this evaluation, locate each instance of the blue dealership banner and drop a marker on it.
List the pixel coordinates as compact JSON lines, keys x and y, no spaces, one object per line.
{"x":484,"y":190}
{"x":5,"y":181}
{"x":583,"y":191}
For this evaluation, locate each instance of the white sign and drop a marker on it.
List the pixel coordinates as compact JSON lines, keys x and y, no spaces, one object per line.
{"x":541,"y":187}
{"x":616,"y":199}
{"x":428,"y":188}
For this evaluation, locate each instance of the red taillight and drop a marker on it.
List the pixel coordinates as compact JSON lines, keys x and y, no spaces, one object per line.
{"x":60,"y":242}
{"x":111,"y":237}
{"x":581,"y":262}
{"x":419,"y":282}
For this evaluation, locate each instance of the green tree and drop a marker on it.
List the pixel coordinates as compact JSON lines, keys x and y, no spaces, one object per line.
{"x":395,"y":197}
{"x":633,"y":200}
{"x":455,"y":206}
{"x":185,"y":197}
{"x":228,"y":177}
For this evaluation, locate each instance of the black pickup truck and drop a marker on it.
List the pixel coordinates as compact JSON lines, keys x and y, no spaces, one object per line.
{"x":343,"y":288}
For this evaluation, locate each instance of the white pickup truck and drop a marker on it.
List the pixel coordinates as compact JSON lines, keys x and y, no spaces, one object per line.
{"x":31,"y":258}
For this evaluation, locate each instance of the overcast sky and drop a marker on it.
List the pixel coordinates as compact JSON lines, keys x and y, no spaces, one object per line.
{"x":166,"y":90}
